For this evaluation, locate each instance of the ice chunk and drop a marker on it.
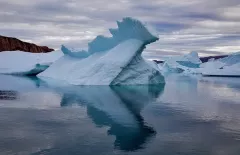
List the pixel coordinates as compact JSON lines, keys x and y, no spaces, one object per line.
{"x":192,"y":57}
{"x":219,"y":63}
{"x":80,"y":54}
{"x":179,"y":64}
{"x":27,"y":70}
{"x":231,"y":71}
{"x":228,"y":66}
{"x":109,"y":61}
{"x":23,"y":63}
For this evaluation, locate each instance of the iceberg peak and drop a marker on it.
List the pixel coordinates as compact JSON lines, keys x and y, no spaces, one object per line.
{"x":80,"y":54}
{"x":127,"y":29}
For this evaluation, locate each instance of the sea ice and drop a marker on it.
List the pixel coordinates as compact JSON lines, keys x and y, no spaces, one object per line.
{"x":228,"y":66}
{"x":24,"y":63}
{"x":185,"y":63}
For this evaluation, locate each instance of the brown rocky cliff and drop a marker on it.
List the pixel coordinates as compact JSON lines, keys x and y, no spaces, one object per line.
{"x":13,"y":44}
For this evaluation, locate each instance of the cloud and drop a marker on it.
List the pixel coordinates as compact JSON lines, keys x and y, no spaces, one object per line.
{"x":183,"y":26}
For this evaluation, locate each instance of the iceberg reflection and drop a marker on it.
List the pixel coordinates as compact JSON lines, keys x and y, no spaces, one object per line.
{"x":119,"y":108}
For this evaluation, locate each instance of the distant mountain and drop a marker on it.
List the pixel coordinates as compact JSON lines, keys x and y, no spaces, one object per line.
{"x":14,"y":44}
{"x":158,"y":61}
{"x":205,"y":59}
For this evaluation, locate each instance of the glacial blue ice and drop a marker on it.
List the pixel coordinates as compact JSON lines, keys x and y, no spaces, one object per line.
{"x":112,"y":60}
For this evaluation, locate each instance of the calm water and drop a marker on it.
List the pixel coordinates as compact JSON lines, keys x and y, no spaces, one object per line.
{"x":186,"y":116}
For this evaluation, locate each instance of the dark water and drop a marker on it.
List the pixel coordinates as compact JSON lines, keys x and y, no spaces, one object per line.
{"x":186,"y":116}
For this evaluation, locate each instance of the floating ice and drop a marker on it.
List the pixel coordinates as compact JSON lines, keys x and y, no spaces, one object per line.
{"x":228,"y":66}
{"x":178,"y":64}
{"x":23,"y":63}
{"x":112,"y":60}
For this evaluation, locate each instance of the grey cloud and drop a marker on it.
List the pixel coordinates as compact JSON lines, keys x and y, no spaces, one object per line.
{"x":183,"y":26}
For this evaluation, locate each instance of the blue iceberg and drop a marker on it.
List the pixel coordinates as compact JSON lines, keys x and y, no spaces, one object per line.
{"x":112,"y":60}
{"x":189,"y":63}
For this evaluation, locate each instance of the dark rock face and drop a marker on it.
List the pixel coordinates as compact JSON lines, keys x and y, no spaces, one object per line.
{"x":13,"y":44}
{"x":158,"y":61}
{"x":205,"y":59}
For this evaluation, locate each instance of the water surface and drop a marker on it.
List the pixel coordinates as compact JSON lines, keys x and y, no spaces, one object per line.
{"x":187,"y":115}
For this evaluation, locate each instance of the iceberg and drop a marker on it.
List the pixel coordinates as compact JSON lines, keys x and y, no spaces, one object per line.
{"x":228,"y":66}
{"x":178,"y":64}
{"x":23,"y":63}
{"x":112,"y":60}
{"x":191,"y":64}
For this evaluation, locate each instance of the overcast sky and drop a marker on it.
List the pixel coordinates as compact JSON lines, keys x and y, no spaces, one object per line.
{"x":207,"y":26}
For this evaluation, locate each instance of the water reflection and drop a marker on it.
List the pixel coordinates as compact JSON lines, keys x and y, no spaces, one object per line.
{"x":189,"y":115}
{"x":209,"y":99}
{"x":118,"y":107}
